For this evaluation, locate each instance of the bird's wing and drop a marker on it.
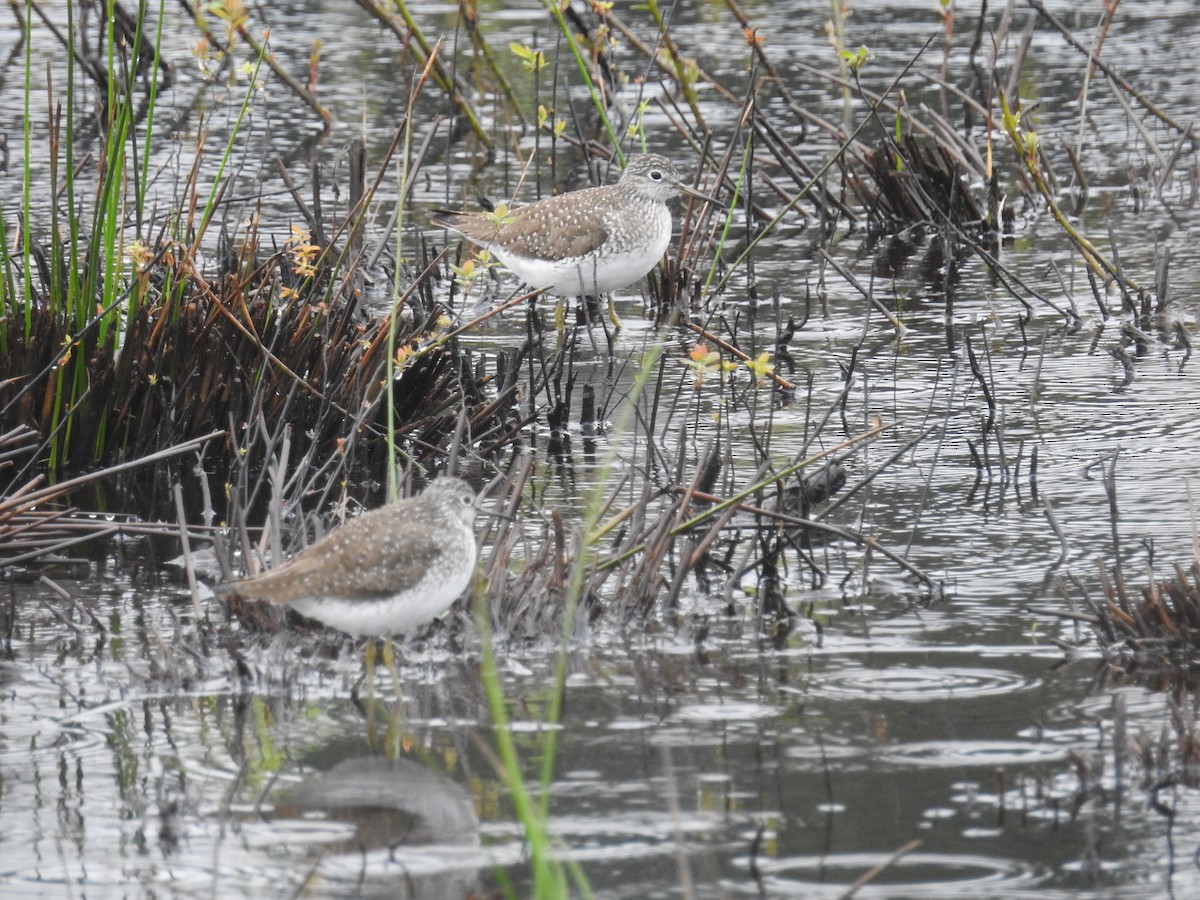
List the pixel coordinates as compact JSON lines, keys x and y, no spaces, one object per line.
{"x":536,"y":230}
{"x":313,"y":570}
{"x":419,"y":552}
{"x":320,"y":569}
{"x":296,"y":578}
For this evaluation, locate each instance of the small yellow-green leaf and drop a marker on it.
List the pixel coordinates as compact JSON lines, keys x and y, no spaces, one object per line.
{"x":761,"y":365}
{"x":499,"y":216}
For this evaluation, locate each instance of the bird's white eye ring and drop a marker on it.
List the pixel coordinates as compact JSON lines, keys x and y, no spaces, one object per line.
{"x":656,"y":175}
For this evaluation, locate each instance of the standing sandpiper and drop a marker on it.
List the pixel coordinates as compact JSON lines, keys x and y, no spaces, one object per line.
{"x":387,"y":572}
{"x":586,"y":242}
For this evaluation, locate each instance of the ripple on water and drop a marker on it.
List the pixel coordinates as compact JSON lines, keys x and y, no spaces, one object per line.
{"x":919,"y":684}
{"x":955,"y":754}
{"x":724,"y":712}
{"x":912,"y":875}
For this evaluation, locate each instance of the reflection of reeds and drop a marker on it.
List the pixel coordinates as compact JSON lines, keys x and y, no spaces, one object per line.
{"x":35,"y":525}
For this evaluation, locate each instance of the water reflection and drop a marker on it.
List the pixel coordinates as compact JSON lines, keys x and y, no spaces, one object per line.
{"x":405,"y":831}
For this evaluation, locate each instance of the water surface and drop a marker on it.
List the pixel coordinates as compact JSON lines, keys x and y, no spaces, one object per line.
{"x":697,"y":755}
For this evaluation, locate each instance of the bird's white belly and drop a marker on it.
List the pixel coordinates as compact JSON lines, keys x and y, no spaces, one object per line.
{"x":597,"y":273}
{"x":399,"y":614}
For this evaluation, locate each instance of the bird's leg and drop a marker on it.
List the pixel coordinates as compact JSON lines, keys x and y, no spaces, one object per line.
{"x":612,"y":314}
{"x":389,"y":660}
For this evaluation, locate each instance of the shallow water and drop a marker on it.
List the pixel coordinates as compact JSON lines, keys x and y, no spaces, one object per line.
{"x":139,"y":761}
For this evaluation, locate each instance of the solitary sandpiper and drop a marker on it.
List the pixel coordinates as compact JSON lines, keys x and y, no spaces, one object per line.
{"x":386,"y":572}
{"x":586,"y":242}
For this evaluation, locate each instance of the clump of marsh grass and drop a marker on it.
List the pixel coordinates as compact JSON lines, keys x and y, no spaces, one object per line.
{"x":1152,"y":635}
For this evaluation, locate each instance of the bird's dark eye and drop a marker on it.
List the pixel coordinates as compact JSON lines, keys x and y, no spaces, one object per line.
{"x":656,"y":175}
